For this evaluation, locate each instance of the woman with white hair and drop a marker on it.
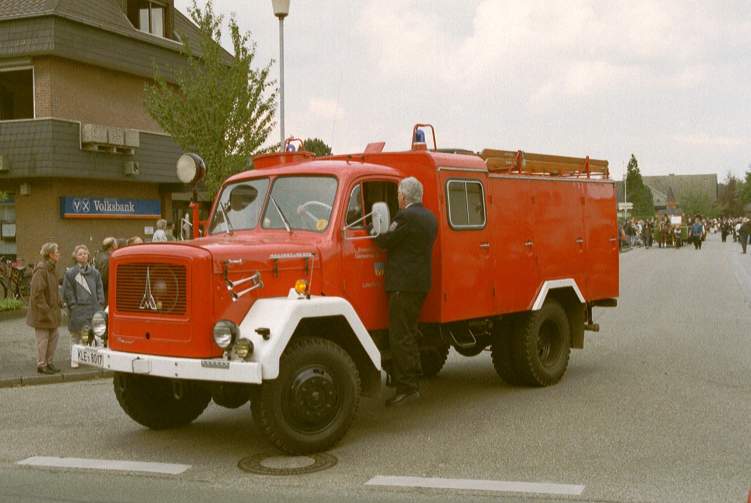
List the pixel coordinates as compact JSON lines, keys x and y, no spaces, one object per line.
{"x":83,"y":293}
{"x":161,"y":233}
{"x":44,"y":308}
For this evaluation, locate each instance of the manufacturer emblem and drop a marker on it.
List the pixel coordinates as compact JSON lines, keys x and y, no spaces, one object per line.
{"x":215,"y":364}
{"x":148,"y":301}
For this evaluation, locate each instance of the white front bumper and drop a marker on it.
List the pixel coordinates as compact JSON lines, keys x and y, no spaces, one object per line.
{"x":215,"y":369}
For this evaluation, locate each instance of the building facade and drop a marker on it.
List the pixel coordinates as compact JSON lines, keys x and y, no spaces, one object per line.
{"x":80,"y":158}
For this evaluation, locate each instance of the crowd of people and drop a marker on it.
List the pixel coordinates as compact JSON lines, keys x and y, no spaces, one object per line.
{"x":80,"y":293}
{"x":690,"y":231}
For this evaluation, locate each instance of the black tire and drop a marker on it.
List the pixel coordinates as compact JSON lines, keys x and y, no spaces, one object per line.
{"x":313,"y":402}
{"x":158,"y":404}
{"x":433,"y":358}
{"x":541,"y":345}
{"x":231,"y":395}
{"x":501,"y":352}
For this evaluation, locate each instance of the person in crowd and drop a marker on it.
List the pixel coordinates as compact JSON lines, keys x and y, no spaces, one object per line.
{"x":102,"y":263}
{"x":677,"y":238}
{"x":646,"y":234}
{"x":83,"y":293}
{"x":409,"y":242}
{"x":696,"y":233}
{"x":724,"y":229}
{"x":744,"y":231}
{"x":160,"y":235}
{"x":44,"y":308}
{"x":170,"y":231}
{"x":134,"y":240}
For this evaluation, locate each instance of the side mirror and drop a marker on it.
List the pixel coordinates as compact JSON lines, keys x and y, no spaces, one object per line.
{"x":381,"y":218}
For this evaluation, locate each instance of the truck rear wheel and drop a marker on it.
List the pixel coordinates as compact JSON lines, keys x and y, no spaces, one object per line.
{"x":160,"y":403}
{"x":313,"y":402}
{"x":541,"y":345}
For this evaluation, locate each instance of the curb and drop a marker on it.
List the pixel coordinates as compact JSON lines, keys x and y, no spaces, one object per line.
{"x":11,"y":382}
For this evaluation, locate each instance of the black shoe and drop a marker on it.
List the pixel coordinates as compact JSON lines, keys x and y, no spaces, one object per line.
{"x":402,"y":398}
{"x":53,"y":368}
{"x":45,"y":370}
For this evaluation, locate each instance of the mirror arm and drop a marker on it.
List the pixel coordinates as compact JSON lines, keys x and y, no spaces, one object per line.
{"x":349,"y":226}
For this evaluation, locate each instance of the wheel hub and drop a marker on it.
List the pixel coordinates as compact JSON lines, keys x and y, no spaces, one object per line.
{"x":313,"y":398}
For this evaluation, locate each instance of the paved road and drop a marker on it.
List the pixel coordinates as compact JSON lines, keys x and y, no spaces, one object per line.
{"x":656,"y":408}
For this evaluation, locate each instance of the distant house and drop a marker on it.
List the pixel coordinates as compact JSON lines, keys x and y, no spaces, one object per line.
{"x":80,"y":158}
{"x":668,"y":190}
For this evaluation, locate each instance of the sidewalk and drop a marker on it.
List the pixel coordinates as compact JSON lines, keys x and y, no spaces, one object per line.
{"x":18,"y":357}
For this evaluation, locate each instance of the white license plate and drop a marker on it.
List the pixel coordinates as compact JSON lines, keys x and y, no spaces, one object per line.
{"x":90,"y":356}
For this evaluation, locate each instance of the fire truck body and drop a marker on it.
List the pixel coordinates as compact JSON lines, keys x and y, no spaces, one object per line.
{"x":523,"y":254}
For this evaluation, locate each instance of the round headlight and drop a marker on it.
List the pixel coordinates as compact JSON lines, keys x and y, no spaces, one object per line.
{"x":99,"y":324}
{"x":224,"y":333}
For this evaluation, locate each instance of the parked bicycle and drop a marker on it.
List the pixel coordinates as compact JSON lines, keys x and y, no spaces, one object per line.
{"x":15,"y":279}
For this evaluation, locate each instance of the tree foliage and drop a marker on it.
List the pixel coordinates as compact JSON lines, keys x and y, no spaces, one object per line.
{"x":697,"y":203}
{"x":316,"y":146}
{"x":637,"y":192}
{"x":730,"y":200}
{"x":221,"y":107}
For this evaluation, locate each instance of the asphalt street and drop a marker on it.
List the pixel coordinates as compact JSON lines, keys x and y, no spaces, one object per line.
{"x":655,"y":408}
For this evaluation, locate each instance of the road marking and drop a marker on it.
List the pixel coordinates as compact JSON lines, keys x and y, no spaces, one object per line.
{"x":104,"y":464}
{"x":477,"y":485}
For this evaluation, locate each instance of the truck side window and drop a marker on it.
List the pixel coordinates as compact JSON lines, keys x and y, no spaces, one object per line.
{"x":354,"y":209}
{"x":466,"y":204}
{"x":380,"y":192}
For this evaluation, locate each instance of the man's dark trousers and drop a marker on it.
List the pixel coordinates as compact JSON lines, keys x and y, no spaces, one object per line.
{"x":404,"y":307}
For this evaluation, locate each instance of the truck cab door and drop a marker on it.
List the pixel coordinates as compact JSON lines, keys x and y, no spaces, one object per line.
{"x":363,"y":262}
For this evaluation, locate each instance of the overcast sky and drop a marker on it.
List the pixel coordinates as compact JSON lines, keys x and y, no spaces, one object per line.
{"x":667,"y":80}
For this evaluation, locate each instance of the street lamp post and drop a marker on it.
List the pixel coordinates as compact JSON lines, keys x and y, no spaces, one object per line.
{"x":281,"y":9}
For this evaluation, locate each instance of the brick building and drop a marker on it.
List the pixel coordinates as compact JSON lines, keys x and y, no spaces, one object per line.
{"x":80,"y":158}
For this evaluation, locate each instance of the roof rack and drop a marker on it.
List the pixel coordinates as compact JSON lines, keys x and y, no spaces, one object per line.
{"x":524,"y":163}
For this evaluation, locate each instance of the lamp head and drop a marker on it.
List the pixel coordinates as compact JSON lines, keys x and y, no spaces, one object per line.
{"x":281,"y":8}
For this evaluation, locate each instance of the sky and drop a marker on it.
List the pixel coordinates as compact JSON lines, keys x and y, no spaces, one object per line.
{"x":668,"y":81}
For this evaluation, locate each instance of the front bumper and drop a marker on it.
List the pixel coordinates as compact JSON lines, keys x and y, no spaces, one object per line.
{"x":214,"y":369}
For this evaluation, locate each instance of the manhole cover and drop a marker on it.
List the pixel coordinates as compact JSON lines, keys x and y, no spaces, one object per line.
{"x":268,"y":464}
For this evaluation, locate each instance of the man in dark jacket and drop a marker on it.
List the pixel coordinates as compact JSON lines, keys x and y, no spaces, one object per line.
{"x":409,"y":242}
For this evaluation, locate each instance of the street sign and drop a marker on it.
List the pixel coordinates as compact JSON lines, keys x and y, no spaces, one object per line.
{"x":625,"y":206}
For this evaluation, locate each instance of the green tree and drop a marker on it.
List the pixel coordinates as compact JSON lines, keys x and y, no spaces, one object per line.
{"x":746,"y":191}
{"x":697,"y":203}
{"x":221,"y":106}
{"x":637,"y":192}
{"x":316,"y":146}
{"x":730,"y":200}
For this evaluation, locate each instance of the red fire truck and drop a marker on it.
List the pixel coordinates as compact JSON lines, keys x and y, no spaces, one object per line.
{"x":282,"y":302}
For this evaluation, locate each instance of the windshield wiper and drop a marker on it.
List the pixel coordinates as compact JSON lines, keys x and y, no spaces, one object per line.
{"x":279,"y":210}
{"x":228,"y":224}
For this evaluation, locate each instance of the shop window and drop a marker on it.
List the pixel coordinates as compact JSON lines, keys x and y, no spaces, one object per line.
{"x":148,"y":16}
{"x":16,"y":94}
{"x":466,"y":208}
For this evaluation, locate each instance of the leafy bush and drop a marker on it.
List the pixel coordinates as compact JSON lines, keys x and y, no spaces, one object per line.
{"x":10,"y":304}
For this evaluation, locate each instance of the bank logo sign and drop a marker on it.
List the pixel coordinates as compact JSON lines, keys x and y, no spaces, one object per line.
{"x":108,"y":207}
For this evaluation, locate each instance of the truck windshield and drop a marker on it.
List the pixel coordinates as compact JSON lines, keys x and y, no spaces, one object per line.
{"x":304,"y":201}
{"x":239,"y":206}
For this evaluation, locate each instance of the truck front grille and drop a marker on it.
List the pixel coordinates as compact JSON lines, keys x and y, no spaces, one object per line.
{"x":151,"y":288}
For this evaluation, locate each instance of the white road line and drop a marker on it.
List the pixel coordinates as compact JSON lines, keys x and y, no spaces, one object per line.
{"x":104,"y":464}
{"x":477,"y":485}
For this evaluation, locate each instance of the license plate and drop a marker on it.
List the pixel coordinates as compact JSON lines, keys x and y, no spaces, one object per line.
{"x":90,"y":356}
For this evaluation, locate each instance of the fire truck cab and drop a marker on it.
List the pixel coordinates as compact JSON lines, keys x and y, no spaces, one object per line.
{"x":282,"y":302}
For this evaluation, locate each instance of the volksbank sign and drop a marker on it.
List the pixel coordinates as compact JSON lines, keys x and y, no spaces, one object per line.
{"x":107,"y":207}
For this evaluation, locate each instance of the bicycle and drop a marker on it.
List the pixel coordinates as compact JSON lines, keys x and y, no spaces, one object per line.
{"x":15,"y":279}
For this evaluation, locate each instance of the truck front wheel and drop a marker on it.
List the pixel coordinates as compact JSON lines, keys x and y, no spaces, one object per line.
{"x":313,"y":402}
{"x":160,"y":403}
{"x":541,"y":345}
